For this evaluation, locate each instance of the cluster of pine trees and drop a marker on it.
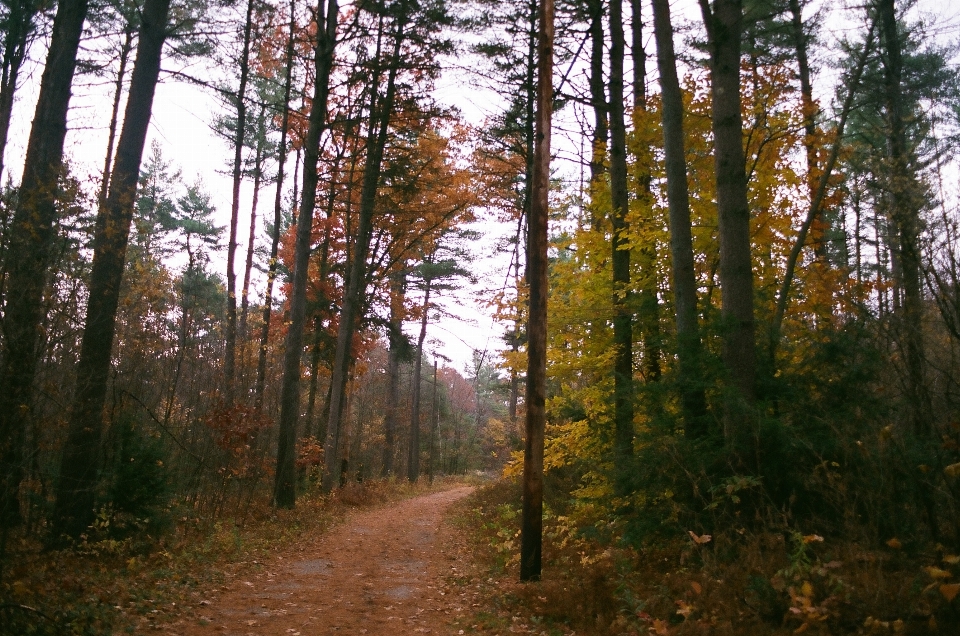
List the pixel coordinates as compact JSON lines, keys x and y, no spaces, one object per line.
{"x":137,"y":376}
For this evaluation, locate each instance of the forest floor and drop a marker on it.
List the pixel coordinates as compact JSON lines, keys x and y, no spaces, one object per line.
{"x":397,"y":569}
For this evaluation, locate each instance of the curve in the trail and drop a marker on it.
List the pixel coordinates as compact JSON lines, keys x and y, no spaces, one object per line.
{"x":381,"y":572}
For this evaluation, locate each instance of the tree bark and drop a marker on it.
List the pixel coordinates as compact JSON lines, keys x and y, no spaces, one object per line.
{"x":689,"y":347}
{"x":18,"y":30}
{"x":277,"y":218}
{"x":531,"y":531}
{"x":284,"y":494}
{"x":620,"y":257}
{"x":434,"y":424}
{"x":413,"y":458}
{"x":125,"y":48}
{"x":355,"y":283}
{"x":905,"y":216}
{"x":648,"y":305}
{"x":252,"y":236}
{"x":230,"y":348}
{"x":78,"y":472}
{"x":598,"y":96}
{"x":397,"y":291}
{"x":31,"y":235}
{"x":724,"y":23}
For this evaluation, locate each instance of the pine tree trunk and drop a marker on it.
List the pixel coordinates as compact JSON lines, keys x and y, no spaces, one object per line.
{"x":413,"y":459}
{"x":598,"y":97}
{"x":355,"y":283}
{"x":648,"y":305}
{"x":251,"y":240}
{"x":16,"y":36}
{"x":531,"y":521}
{"x":230,"y":346}
{"x":284,"y":494}
{"x":689,"y":347}
{"x":724,"y":28}
{"x":905,"y":217}
{"x":31,"y":235}
{"x":78,"y":472}
{"x":397,"y":292}
{"x":434,"y":424}
{"x":125,"y":48}
{"x":277,"y":218}
{"x":622,"y":316}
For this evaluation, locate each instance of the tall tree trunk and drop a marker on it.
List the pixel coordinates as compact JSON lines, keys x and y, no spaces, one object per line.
{"x":648,"y":305}
{"x":397,"y":292}
{"x":531,"y":522}
{"x":413,"y":458}
{"x":230,"y":353}
{"x":17,"y":29}
{"x":689,"y":347}
{"x":434,"y":423}
{"x":905,"y":216}
{"x":277,"y":217}
{"x":252,"y":237}
{"x":78,"y":470}
{"x":355,"y":283}
{"x":284,"y":494}
{"x":622,"y":313}
{"x":724,"y":23}
{"x":31,"y":235}
{"x":125,"y":48}
{"x":810,"y":112}
{"x":598,"y":96}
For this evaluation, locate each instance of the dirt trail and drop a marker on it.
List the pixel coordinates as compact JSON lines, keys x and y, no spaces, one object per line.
{"x":380,"y":572}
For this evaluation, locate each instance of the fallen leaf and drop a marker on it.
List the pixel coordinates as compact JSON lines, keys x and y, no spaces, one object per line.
{"x":953,"y":470}
{"x":949,"y":591}
{"x":812,"y":538}
{"x":699,"y":540}
{"x":696,"y":587}
{"x":806,"y":589}
{"x":937,"y":573}
{"x":659,"y":627}
{"x":895,"y":543}
{"x":951,"y":559}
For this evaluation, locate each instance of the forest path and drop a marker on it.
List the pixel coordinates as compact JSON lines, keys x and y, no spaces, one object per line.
{"x":386,"y":571}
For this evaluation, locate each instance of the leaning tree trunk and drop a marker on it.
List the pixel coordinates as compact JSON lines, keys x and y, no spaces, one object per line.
{"x":31,"y":235}
{"x":284,"y":493}
{"x":531,"y":516}
{"x":355,"y":283}
{"x":724,"y":24}
{"x":689,"y":347}
{"x":622,"y":312}
{"x":277,"y":218}
{"x":20,"y":27}
{"x":78,"y":470}
{"x":125,"y":48}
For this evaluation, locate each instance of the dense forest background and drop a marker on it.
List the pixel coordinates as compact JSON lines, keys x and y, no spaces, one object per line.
{"x":754,"y":275}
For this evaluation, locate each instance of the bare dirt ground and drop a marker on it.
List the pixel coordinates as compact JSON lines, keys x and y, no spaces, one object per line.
{"x":384,"y":572}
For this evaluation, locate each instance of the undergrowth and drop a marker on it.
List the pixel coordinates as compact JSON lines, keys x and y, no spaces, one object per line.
{"x":739,"y":581}
{"x":114,"y":582}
